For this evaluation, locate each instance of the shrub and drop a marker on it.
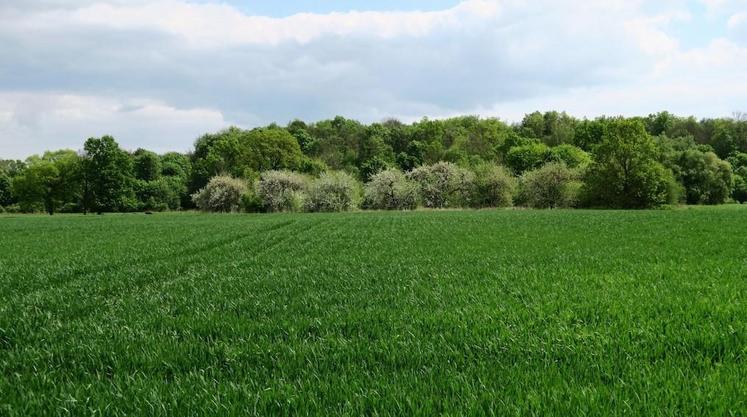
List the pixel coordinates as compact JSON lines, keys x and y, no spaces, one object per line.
{"x":13,"y":209}
{"x":494,"y":186}
{"x":250,"y":201}
{"x":333,"y":191}
{"x":552,"y":186}
{"x":391,"y":190}
{"x":443,"y":184}
{"x":282,"y":190}
{"x":221,"y":194}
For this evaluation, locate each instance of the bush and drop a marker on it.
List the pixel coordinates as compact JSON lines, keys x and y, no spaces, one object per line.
{"x":552,"y":186}
{"x":250,"y":201}
{"x":494,"y":186}
{"x":391,"y":190}
{"x":221,"y":194}
{"x":282,"y":190}
{"x":13,"y":209}
{"x":332,"y":192}
{"x":443,"y":184}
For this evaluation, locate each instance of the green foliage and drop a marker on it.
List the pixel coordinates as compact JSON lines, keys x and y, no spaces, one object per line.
{"x":271,"y":149}
{"x":6,"y":191}
{"x":222,"y":194}
{"x":572,"y":156}
{"x":217,"y":153}
{"x":49,"y":182}
{"x":391,"y":190}
{"x":443,"y":185}
{"x":528,"y":157}
{"x":373,"y":166}
{"x":364,"y":150}
{"x":589,"y":133}
{"x":146,"y":165}
{"x":300,"y":132}
{"x":706,"y":178}
{"x":494,"y":186}
{"x":242,"y":153}
{"x":552,"y":128}
{"x":282,"y":191}
{"x":312,"y":166}
{"x":107,"y":176}
{"x":625,"y":173}
{"x":554,"y":185}
{"x":333,"y":192}
{"x":164,"y":193}
{"x":250,"y":201}
{"x":11,"y":167}
{"x":174,"y":164}
{"x":660,"y":123}
{"x":739,"y":192}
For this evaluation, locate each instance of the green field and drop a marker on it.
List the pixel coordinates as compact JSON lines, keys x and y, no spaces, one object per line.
{"x":502,"y":313}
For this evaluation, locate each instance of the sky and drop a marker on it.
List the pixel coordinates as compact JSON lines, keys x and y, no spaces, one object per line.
{"x":159,"y":73}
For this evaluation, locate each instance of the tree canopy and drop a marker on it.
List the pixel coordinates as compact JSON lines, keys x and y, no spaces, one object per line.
{"x":635,"y":162}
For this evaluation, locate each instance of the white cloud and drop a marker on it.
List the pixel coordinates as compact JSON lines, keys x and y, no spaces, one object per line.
{"x":181,"y":68}
{"x":217,"y":25}
{"x":31,"y":122}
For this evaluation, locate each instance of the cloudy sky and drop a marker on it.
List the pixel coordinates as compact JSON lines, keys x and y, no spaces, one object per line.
{"x":158,"y":73}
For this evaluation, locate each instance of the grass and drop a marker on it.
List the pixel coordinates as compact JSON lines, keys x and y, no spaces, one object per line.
{"x":426,"y":313}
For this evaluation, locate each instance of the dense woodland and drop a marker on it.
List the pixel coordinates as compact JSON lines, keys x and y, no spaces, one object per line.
{"x":548,"y":160}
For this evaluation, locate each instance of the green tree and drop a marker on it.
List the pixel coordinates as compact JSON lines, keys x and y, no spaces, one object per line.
{"x":625,"y":173}
{"x":108,"y":176}
{"x":739,"y":192}
{"x":660,"y":123}
{"x":217,"y":153}
{"x":49,"y":182}
{"x":589,"y":133}
{"x":572,"y":156}
{"x":723,"y":139}
{"x":271,"y":149}
{"x":146,"y":164}
{"x":706,"y":178}
{"x":174,"y":164}
{"x":528,"y":157}
{"x":6,"y":191}
{"x":533,"y":125}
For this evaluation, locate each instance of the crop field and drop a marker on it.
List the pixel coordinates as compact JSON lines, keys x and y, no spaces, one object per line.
{"x":499,"y":312}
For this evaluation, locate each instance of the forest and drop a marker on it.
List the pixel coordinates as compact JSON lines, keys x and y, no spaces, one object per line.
{"x":548,"y":160}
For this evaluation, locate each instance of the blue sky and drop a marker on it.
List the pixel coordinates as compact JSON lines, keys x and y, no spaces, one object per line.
{"x":159,"y":73}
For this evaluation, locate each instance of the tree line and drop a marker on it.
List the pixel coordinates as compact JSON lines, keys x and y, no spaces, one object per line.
{"x":549,"y":159}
